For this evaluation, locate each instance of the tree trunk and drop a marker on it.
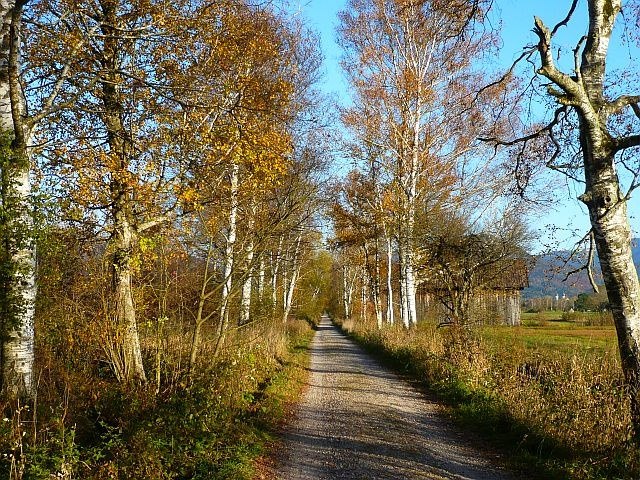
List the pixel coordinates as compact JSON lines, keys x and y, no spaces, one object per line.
{"x":289,"y":289}
{"x":363,"y":296}
{"x":610,"y":224}
{"x":223,"y":321}
{"x":275,"y":266}
{"x":245,"y":298}
{"x":375,"y":284}
{"x":404,"y":303}
{"x":284,"y":279}
{"x":390,"y":312}
{"x":200,"y":318}
{"x":18,"y":289}
{"x":123,"y":238}
{"x":261,"y":278}
{"x":345,"y":294}
{"x":412,"y":316}
{"x":18,"y":258}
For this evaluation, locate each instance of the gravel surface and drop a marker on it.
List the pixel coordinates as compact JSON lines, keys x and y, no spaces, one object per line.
{"x":358,"y":420}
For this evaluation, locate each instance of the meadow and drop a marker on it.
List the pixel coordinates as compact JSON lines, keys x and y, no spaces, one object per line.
{"x":549,"y":332}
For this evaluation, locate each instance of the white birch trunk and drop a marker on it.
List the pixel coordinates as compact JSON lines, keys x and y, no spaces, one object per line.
{"x":376,"y":286}
{"x":363,"y":295}
{"x":245,"y":299}
{"x":19,"y":287}
{"x":275,"y":266}
{"x":223,"y":321}
{"x":412,"y":317}
{"x":345,"y":292}
{"x":290,"y":288}
{"x":285,"y":279}
{"x":390,"y":312}
{"x":404,"y":305}
{"x":583,"y":90}
{"x":261,"y":278}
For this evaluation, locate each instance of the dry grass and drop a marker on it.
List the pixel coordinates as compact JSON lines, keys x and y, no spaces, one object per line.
{"x":567,"y":407}
{"x":215,"y":420}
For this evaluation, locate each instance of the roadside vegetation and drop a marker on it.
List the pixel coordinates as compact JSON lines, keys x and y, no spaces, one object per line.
{"x":164,"y":160}
{"x":550,"y":394}
{"x":212,"y":425}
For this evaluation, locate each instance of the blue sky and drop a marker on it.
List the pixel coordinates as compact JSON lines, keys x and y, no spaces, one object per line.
{"x":516,"y":20}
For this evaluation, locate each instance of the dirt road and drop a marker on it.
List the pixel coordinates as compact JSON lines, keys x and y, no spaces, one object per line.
{"x":360,"y":421}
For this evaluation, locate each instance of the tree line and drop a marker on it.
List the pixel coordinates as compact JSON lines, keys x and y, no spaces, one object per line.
{"x":162,"y":157}
{"x":449,"y":157}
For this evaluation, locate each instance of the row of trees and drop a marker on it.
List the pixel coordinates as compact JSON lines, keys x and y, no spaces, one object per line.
{"x":172,"y":149}
{"x":422,"y":109}
{"x":426,"y":188}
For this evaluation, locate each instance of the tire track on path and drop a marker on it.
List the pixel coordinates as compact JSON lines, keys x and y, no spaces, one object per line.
{"x":358,"y":420}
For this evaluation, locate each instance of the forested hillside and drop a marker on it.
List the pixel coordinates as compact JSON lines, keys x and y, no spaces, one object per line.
{"x":547,"y":277}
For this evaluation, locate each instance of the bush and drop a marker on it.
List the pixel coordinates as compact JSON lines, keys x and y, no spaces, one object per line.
{"x":589,"y":319}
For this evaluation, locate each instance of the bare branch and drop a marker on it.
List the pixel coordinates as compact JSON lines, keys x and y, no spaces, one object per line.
{"x":592,"y":244}
{"x":525,"y":54}
{"x":548,"y":68}
{"x":152,"y":223}
{"x":564,"y":22}
{"x":576,"y":57}
{"x":624,"y":101}
{"x":626,"y":142}
{"x":588,"y":266}
{"x":547,"y":128}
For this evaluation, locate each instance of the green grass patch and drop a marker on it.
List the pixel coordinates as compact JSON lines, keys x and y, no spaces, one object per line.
{"x":552,"y":338}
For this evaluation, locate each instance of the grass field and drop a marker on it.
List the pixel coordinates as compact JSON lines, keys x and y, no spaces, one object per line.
{"x":546,"y":332}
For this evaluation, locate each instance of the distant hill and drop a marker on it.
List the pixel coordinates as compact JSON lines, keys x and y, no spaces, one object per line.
{"x":547,"y":275}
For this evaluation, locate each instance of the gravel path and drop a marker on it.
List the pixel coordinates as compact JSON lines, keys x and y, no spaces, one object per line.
{"x":360,"y":421}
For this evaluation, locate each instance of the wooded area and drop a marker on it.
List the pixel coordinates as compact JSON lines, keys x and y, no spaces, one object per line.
{"x":166,"y":190}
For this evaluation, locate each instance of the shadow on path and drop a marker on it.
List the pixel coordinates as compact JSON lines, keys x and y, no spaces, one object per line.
{"x":358,"y":420}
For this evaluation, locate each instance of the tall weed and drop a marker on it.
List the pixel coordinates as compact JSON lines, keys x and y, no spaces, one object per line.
{"x":566,"y":411}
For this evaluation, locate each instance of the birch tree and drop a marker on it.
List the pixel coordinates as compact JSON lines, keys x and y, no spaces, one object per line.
{"x":410,"y":65}
{"x":18,"y":287}
{"x":18,"y":123}
{"x":603,"y":121}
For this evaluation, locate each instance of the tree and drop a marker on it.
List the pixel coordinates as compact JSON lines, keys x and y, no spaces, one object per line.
{"x":592,"y":110}
{"x":107,"y":144}
{"x":458,"y":260}
{"x":596,"y":302}
{"x":18,"y":284}
{"x":410,"y":64}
